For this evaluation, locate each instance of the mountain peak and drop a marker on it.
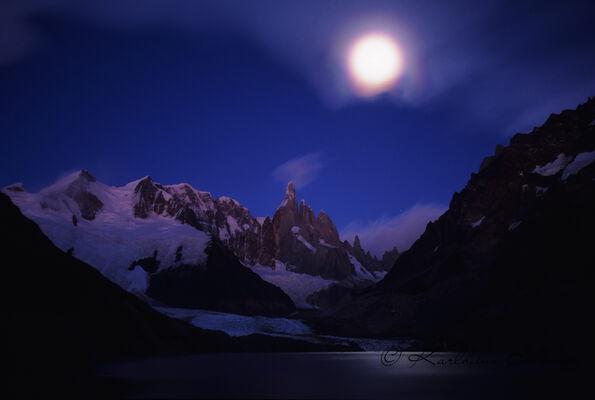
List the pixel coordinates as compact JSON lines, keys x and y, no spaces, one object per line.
{"x":290,"y":199}
{"x":16,"y":187}
{"x":77,"y":186}
{"x":290,"y":189}
{"x":78,"y":178}
{"x":357,"y":243}
{"x":145,"y":179}
{"x":86,"y":175}
{"x":322,"y":215}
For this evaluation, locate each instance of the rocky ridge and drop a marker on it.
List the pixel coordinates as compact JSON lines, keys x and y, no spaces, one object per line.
{"x":508,"y":266}
{"x":144,"y":233}
{"x":294,"y":235}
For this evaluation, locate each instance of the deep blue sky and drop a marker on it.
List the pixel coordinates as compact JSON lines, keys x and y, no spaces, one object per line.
{"x":223,"y":99}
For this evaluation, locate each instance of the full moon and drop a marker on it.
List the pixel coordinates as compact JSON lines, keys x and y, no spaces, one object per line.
{"x":375,"y":63}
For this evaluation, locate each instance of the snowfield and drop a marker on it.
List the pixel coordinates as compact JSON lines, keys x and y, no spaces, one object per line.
{"x":115,"y":238}
{"x":567,"y":164}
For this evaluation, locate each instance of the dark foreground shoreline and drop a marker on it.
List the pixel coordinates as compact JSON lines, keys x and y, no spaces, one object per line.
{"x":343,"y":375}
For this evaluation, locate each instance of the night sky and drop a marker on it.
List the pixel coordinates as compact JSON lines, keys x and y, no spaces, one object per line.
{"x":236,"y":98}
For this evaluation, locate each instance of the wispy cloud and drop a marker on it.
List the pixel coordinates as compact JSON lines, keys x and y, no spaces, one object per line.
{"x":483,"y":51}
{"x":301,"y":170}
{"x":387,"y":232}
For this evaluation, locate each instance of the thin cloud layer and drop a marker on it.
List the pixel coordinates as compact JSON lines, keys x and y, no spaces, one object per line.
{"x":301,"y":171}
{"x":401,"y":231}
{"x":505,"y":60}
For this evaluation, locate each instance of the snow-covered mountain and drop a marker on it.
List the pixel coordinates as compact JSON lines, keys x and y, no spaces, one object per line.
{"x":100,"y":225}
{"x":134,"y":233}
{"x":94,"y":222}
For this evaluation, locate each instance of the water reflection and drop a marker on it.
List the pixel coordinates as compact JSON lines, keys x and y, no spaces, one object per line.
{"x":355,"y":375}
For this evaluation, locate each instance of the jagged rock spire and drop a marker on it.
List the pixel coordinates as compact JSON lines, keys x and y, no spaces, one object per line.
{"x":290,"y":199}
{"x":357,"y":245}
{"x":286,"y":216}
{"x":327,"y":229}
{"x":305,"y":216}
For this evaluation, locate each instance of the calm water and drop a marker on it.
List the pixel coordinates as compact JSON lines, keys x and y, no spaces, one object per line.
{"x":360,"y":375}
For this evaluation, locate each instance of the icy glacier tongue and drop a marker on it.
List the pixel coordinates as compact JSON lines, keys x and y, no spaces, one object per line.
{"x":242,"y":325}
{"x":238,"y":325}
{"x":110,"y":239}
{"x":297,"y":286}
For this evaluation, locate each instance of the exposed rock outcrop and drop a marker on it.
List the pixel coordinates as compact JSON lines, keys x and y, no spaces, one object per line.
{"x":222,"y":284}
{"x":307,"y":244}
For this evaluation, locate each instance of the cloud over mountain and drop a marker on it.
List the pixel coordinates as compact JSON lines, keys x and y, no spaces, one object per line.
{"x":301,"y":170}
{"x":401,"y":231}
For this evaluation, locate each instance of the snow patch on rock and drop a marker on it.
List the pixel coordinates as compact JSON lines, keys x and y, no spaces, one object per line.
{"x":325,"y":244}
{"x":552,"y":168}
{"x":233,"y":225}
{"x":360,"y":271}
{"x":306,"y":243}
{"x":478,"y":222}
{"x":581,"y":161}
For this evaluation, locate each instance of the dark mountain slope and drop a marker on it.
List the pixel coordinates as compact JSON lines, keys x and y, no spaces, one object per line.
{"x":222,"y":284}
{"x":510,"y":265}
{"x":62,"y":317}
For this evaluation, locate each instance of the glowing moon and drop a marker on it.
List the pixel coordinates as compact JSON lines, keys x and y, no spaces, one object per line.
{"x":375,"y":63}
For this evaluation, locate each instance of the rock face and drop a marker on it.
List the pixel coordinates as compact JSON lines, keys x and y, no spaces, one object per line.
{"x":222,"y":284}
{"x":311,"y":244}
{"x":509,"y":265}
{"x":307,"y":244}
{"x":389,"y":258}
{"x":500,"y":198}
{"x":78,"y":190}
